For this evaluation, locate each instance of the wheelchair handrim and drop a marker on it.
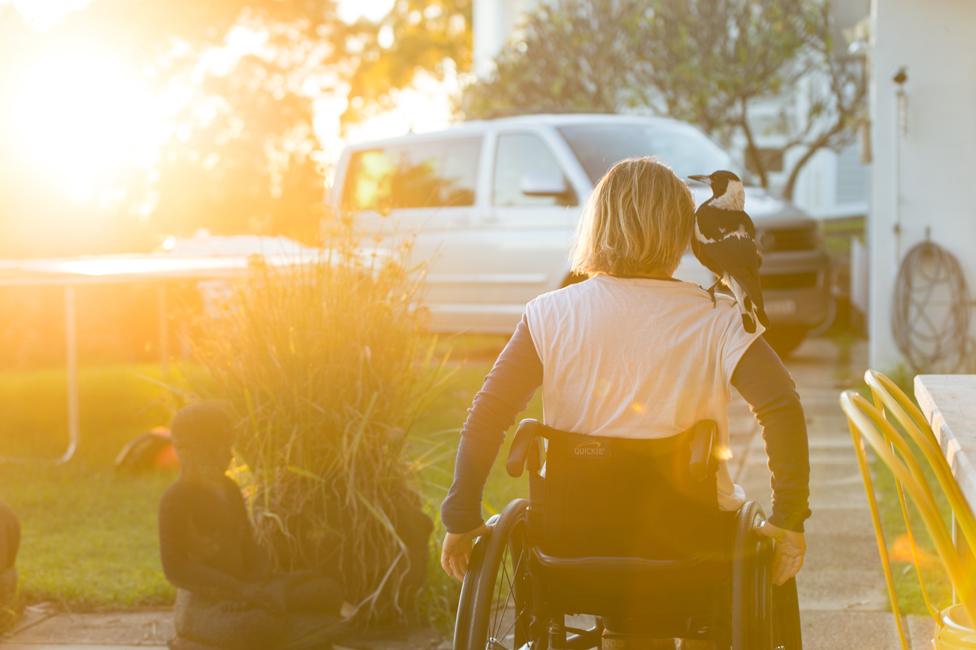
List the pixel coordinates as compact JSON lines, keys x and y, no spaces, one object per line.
{"x":500,"y":604}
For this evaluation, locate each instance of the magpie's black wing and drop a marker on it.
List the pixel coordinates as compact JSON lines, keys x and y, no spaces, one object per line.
{"x":739,"y":258}
{"x":713,"y":224}
{"x":698,"y":248}
{"x":746,"y":221}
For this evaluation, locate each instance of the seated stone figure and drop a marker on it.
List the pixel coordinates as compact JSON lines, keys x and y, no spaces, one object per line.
{"x":9,"y":545}
{"x":227,"y":594}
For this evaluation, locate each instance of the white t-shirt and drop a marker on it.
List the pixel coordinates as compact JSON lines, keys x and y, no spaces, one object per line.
{"x":639,"y":358}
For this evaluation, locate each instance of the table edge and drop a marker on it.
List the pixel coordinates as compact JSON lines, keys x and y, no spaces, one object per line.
{"x":959,"y":462}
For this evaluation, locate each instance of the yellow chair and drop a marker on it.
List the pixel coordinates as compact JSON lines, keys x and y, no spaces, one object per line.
{"x":867,"y":422}
{"x":888,"y":397}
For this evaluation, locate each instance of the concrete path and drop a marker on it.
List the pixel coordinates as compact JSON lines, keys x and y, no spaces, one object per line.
{"x":44,"y":629}
{"x":842,"y":594}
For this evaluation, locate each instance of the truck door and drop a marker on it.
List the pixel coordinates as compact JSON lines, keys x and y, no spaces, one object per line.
{"x":527,"y":233}
{"x":420,"y":196}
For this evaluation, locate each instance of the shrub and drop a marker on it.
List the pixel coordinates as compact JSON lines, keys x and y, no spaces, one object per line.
{"x":327,"y":367}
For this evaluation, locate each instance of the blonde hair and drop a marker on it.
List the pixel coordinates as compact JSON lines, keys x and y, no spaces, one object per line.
{"x":637,"y":222}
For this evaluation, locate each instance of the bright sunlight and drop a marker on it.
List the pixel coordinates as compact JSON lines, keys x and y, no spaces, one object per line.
{"x":84,"y":117}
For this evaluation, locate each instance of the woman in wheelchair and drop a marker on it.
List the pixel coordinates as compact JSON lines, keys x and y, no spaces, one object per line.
{"x":633,"y":515}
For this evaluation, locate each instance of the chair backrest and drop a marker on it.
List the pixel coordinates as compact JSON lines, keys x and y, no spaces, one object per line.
{"x":888,"y":397}
{"x":615,"y":497}
{"x":867,"y":423}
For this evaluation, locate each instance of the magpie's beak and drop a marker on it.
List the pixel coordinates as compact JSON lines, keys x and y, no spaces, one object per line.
{"x":701,"y":179}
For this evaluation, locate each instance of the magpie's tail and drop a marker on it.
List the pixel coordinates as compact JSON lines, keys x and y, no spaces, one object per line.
{"x":761,"y":315}
{"x":751,"y":310}
{"x":748,"y":323}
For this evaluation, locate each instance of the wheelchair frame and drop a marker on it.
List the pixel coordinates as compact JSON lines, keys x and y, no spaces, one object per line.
{"x":501,"y":559}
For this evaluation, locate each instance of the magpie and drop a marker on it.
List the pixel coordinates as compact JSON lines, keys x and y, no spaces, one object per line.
{"x":725,"y":242}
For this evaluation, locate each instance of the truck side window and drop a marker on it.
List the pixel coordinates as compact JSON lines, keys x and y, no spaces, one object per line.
{"x":434,"y":174}
{"x":369,"y":181}
{"x":516,"y":155}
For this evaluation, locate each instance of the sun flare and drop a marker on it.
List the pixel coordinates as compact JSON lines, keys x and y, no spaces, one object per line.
{"x":83,"y":117}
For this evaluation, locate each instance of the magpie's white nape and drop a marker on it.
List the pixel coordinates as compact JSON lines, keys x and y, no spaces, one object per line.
{"x":728,"y":192}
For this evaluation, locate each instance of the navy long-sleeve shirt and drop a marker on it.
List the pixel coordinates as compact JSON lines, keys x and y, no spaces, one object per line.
{"x":760,"y":377}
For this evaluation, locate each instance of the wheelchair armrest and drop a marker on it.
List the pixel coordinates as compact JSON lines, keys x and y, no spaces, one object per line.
{"x":702,"y":462}
{"x":525,"y":451}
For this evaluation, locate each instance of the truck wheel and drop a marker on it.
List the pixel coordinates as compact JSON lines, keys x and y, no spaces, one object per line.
{"x":785,"y":339}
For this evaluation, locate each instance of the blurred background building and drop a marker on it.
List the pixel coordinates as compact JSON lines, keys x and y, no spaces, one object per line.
{"x":923,"y":70}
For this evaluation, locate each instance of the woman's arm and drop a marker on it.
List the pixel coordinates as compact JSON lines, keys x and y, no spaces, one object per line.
{"x":767,"y":386}
{"x":507,"y":389}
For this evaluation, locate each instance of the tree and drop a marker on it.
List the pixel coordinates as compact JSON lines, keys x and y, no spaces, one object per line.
{"x":430,"y":36}
{"x":244,"y":156}
{"x":712,"y":61}
{"x":574,"y":56}
{"x":702,"y":61}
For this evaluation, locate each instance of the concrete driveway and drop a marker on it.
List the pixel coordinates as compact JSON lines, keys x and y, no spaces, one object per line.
{"x":842,"y":592}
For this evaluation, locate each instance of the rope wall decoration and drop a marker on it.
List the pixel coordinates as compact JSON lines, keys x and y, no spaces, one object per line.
{"x":930,"y":311}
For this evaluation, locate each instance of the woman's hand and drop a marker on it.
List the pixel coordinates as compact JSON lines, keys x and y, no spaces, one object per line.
{"x":456,"y":551}
{"x":788,"y":550}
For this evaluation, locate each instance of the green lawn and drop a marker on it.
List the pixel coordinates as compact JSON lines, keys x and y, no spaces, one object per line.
{"x":906,"y":583}
{"x":89,"y":536}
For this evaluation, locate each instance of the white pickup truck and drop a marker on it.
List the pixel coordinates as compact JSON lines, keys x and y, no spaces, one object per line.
{"x":491,"y":207}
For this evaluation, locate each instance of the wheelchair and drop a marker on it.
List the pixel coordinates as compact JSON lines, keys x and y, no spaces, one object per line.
{"x":620,"y":541}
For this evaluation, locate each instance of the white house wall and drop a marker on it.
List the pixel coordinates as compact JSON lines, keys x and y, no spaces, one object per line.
{"x":935,"y":41}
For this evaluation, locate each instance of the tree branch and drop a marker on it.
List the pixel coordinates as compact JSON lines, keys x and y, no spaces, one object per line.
{"x":752,"y":151}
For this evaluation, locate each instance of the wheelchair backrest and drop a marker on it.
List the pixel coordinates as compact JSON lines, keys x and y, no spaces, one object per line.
{"x":621,"y":497}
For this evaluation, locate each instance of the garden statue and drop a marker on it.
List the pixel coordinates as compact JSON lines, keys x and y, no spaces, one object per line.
{"x":228,"y":597}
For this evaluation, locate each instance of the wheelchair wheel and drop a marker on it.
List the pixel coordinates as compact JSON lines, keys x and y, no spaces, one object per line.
{"x":462,"y":622}
{"x":497,"y":593}
{"x":752,"y":588}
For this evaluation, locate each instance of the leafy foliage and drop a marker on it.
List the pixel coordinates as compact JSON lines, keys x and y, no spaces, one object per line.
{"x":246,"y":161}
{"x":702,"y":61}
{"x":707,"y":58}
{"x":573,"y":56}
{"x":431,"y":36}
{"x":243,"y":155}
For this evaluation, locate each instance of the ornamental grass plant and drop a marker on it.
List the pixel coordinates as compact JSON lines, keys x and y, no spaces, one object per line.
{"x":326,"y":365}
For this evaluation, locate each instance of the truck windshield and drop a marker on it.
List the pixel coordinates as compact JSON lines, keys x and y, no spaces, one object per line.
{"x":685,"y":149}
